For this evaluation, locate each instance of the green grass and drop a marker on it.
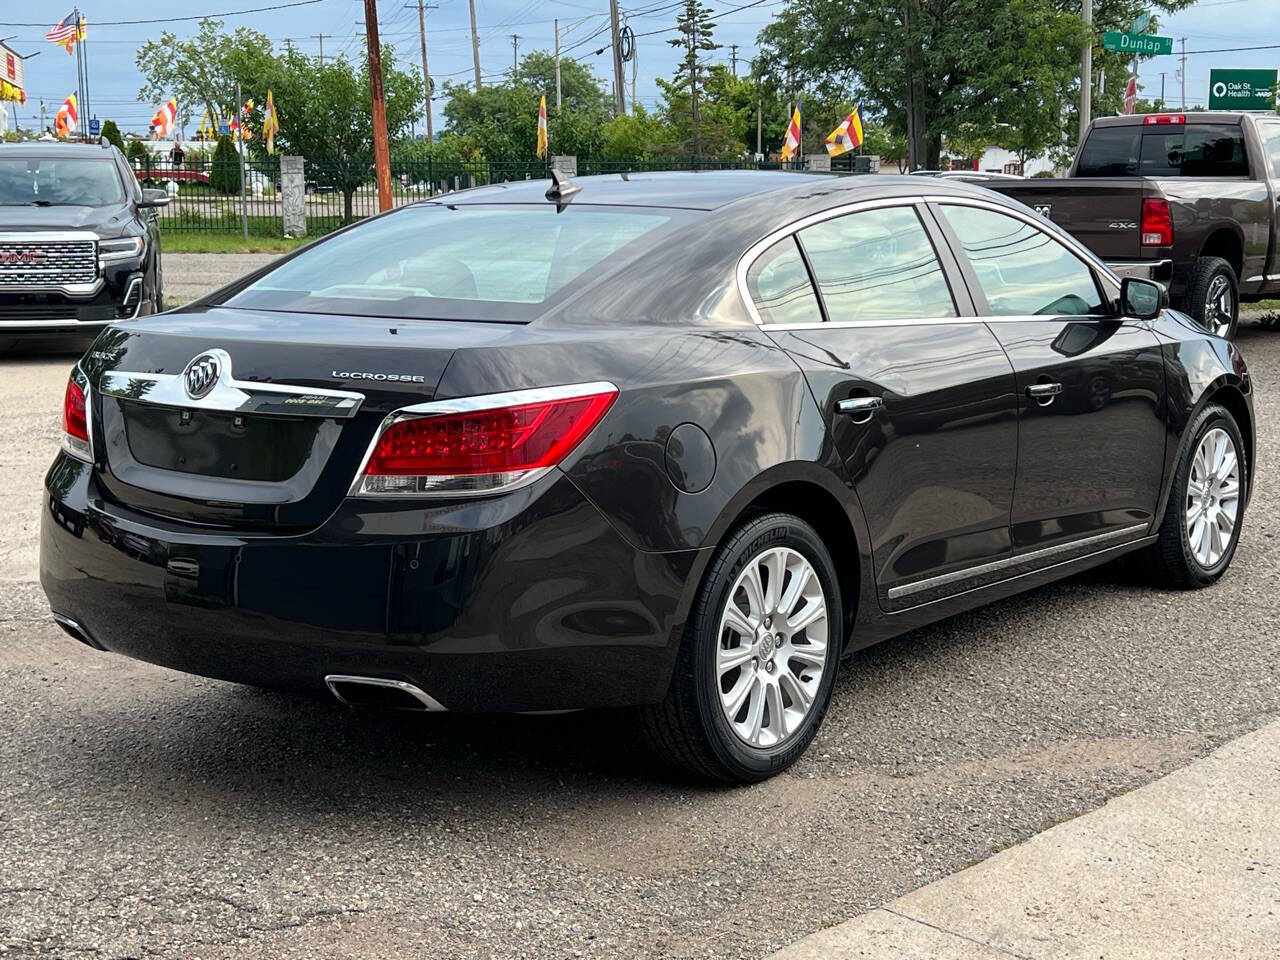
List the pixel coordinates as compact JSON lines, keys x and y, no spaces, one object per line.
{"x":1262,"y":305}
{"x":183,"y":241}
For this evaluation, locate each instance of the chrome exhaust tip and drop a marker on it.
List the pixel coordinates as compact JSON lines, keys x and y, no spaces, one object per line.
{"x":380,"y":692}
{"x":73,"y":629}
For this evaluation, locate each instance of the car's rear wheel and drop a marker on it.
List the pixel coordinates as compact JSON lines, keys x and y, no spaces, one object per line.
{"x":1213,"y":296}
{"x":1202,"y":522}
{"x":758,"y":663}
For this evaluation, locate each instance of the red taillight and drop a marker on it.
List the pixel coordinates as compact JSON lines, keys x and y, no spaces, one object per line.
{"x":491,"y":444}
{"x":1155,"y":118}
{"x":75,"y":421}
{"x":1157,"y":223}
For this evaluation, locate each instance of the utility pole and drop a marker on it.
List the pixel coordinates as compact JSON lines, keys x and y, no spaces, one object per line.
{"x":381,"y":152}
{"x":1086,"y":70}
{"x":1161,"y":89}
{"x":41,"y":133}
{"x":288,"y":45}
{"x":557,"y":23}
{"x":759,"y":126}
{"x":1183,"y":72}
{"x":426,"y":72}
{"x":515,"y":54}
{"x":619,"y":84}
{"x":733,"y":57}
{"x":320,"y":37}
{"x":475,"y":43}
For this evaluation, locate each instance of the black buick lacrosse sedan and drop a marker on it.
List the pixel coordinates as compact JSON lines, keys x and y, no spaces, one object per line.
{"x":675,"y":442}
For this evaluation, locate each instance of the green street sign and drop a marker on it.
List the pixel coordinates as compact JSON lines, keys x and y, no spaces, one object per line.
{"x":1242,"y":89}
{"x":1137,"y":43}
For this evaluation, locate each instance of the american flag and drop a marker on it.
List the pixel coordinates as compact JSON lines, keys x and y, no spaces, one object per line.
{"x":66,"y":31}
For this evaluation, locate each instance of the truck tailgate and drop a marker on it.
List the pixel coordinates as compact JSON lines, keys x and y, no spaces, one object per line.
{"x":1103,"y":214}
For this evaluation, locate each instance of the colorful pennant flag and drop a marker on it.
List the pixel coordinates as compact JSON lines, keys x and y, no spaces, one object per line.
{"x":67,"y":31}
{"x":847,"y":136}
{"x":1130,"y":95}
{"x":542,"y":127}
{"x":162,"y":123}
{"x":64,"y":123}
{"x":239,"y":124}
{"x":791,"y":145}
{"x":270,"y":123}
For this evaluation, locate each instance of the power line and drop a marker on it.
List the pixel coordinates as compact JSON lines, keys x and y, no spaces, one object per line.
{"x":203,"y":16}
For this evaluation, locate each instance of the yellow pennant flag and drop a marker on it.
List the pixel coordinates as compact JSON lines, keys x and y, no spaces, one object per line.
{"x":270,"y":123}
{"x":542,"y":127}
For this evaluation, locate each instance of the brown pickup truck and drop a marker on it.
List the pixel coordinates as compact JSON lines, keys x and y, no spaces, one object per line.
{"x":1189,"y":199}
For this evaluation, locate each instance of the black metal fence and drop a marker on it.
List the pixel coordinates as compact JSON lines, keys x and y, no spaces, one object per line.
{"x":206,"y":195}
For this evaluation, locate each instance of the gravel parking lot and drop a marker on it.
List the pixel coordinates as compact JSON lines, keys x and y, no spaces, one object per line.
{"x":147,"y":813}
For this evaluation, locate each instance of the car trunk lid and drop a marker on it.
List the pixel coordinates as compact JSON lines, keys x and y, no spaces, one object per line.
{"x":263,"y":425}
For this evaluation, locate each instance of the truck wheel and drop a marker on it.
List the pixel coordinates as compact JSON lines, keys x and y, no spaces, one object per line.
{"x":1213,"y":296}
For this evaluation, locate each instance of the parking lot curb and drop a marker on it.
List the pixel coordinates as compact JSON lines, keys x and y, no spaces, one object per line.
{"x":1187,"y":866}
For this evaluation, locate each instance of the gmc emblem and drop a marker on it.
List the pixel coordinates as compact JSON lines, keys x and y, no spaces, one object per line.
{"x":25,"y":258}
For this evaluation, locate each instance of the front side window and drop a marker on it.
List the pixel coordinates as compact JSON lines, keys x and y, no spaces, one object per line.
{"x":467,"y":261}
{"x":60,"y":181}
{"x":1022,"y":270}
{"x":780,"y":286}
{"x":877,"y":265}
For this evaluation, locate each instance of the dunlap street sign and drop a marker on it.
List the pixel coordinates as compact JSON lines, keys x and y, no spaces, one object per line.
{"x":1137,"y":43}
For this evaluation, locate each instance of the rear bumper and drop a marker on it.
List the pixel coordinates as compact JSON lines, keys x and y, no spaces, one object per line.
{"x":527,"y":602}
{"x":1159,"y":270}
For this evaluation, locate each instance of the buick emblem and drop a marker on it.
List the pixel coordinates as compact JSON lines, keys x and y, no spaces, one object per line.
{"x":201,"y":375}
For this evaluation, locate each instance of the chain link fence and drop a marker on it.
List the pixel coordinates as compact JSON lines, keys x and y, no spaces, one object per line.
{"x":205,"y":195}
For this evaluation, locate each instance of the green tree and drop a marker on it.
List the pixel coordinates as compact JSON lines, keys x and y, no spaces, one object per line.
{"x":580,"y":91}
{"x":635,"y":138}
{"x":112,"y":134}
{"x":224,"y":173}
{"x":976,"y":64}
{"x":136,"y":151}
{"x":201,"y":71}
{"x":695,"y":26}
{"x":326,"y":112}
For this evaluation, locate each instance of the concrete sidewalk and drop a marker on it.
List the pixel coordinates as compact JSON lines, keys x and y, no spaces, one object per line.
{"x":1186,"y":867}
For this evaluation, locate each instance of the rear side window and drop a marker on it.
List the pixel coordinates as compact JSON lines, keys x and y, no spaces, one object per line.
{"x":469,"y":261}
{"x":877,"y":265}
{"x":1022,"y":270}
{"x":779,"y":284}
{"x":1165,"y":150}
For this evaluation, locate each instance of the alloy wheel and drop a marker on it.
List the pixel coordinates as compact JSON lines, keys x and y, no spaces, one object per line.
{"x":773,"y":645}
{"x":1219,"y":306}
{"x":1213,"y":497}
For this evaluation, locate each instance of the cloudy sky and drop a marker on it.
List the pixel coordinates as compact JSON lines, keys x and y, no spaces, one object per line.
{"x":1211,"y":25}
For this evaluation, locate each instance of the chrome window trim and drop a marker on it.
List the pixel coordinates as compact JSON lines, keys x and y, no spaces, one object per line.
{"x":1134,"y":531}
{"x":230,"y":395}
{"x":485,"y":401}
{"x":754,"y":251}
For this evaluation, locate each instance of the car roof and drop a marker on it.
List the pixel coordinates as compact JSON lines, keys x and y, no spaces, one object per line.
{"x":53,"y":148}
{"x":704,"y":189}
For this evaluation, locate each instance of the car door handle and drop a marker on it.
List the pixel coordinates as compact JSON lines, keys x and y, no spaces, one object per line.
{"x":861,"y":409}
{"x":1043,"y":393}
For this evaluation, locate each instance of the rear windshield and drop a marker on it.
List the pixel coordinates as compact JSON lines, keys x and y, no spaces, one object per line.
{"x":60,"y":181}
{"x":463,"y":262}
{"x":1165,"y":150}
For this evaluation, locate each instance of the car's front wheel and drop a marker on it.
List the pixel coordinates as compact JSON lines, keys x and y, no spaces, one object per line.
{"x":1202,"y":522}
{"x":758,"y":663}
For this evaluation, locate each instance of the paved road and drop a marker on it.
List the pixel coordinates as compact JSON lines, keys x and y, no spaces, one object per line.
{"x":143,"y":812}
{"x":191,"y":275}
